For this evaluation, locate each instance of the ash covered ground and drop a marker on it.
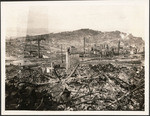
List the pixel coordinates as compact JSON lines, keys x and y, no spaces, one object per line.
{"x":89,"y":85}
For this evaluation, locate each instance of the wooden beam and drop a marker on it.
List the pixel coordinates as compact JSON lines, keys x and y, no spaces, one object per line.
{"x":73,"y":71}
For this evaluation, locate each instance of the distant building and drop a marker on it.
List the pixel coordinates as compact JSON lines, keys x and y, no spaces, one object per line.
{"x":73,"y":50}
{"x":133,"y":50}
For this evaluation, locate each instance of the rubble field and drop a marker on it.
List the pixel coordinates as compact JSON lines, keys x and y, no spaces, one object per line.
{"x":93,"y":87}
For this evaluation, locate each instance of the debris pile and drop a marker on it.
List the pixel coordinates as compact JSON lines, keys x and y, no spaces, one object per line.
{"x":87,"y":87}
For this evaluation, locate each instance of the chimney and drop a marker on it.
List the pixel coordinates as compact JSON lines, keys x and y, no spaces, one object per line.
{"x":38,"y":47}
{"x":67,"y":59}
{"x":118,"y":46}
{"x":84,"y":45}
{"x":61,"y":54}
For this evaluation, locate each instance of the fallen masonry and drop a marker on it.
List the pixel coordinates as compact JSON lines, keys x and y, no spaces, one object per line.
{"x":86,"y":87}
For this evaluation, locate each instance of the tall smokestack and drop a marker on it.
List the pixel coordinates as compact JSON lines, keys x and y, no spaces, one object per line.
{"x":84,"y":45}
{"x":118,"y":47}
{"x":67,"y":59}
{"x":38,"y":47}
{"x":61,"y":54}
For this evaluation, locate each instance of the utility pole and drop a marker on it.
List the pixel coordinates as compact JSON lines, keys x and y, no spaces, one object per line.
{"x":39,"y":40}
{"x":118,"y":46}
{"x":67,"y":59}
{"x":28,"y":38}
{"x":38,"y":47}
{"x":30,"y":47}
{"x":61,"y":54}
{"x":84,"y":45}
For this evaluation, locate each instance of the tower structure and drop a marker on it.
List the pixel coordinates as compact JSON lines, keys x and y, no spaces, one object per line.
{"x":67,"y":59}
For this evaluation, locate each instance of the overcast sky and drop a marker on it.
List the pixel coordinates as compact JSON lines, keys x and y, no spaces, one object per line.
{"x":46,"y":17}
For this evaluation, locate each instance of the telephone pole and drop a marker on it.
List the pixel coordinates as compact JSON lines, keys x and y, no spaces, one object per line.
{"x":38,"y":48}
{"x":118,"y":46}
{"x":61,"y":54}
{"x":84,"y":45}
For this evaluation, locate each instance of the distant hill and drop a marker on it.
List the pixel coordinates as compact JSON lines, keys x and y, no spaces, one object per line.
{"x":75,"y":38}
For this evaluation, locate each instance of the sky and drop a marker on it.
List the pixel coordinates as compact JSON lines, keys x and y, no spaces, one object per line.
{"x":22,"y":18}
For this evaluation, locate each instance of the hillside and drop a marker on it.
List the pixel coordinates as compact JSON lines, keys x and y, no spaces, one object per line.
{"x":75,"y":38}
{"x":92,"y":36}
